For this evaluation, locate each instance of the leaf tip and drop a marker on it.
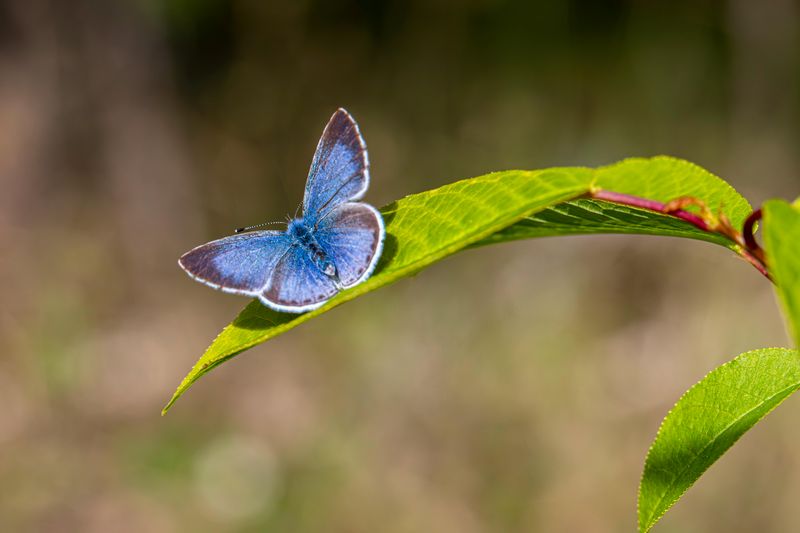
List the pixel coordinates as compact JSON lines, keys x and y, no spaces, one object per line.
{"x":177,"y":394}
{"x":167,"y":407}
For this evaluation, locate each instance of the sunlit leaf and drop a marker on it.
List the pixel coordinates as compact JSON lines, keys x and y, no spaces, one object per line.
{"x":427,"y":227}
{"x":420,"y":229}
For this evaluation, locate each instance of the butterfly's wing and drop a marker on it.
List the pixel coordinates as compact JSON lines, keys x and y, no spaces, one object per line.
{"x":340,"y":168}
{"x":297,"y":285}
{"x":240,"y":264}
{"x":352,"y":236}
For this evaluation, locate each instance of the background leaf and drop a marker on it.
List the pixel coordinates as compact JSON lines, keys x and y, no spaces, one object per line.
{"x":782,"y":243}
{"x":708,"y":419}
{"x":424,"y":228}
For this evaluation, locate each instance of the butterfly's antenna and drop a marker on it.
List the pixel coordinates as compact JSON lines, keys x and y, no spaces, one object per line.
{"x":248,"y":228}
{"x":297,"y":209}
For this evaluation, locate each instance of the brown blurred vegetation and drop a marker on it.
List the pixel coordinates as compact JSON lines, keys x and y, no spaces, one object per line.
{"x":513,"y":388}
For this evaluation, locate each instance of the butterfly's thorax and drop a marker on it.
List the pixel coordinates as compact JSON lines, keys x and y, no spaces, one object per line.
{"x":304,"y":237}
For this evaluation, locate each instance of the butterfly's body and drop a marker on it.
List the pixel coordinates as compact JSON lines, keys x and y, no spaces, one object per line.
{"x":303,"y":236}
{"x":334,"y":245}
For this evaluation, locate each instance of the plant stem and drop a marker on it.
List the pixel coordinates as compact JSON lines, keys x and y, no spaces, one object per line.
{"x":748,"y":248}
{"x":652,"y":205}
{"x":748,"y":233}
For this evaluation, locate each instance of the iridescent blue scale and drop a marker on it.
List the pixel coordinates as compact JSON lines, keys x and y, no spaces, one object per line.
{"x":333,"y":246}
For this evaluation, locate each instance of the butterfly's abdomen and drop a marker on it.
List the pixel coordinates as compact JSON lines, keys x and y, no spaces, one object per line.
{"x":305,"y":238}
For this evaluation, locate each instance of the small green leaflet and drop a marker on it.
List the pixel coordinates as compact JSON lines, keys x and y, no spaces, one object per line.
{"x":708,"y":419}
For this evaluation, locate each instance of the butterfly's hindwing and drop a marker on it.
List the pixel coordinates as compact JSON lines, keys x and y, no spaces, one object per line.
{"x":240,"y":264}
{"x":297,"y":284}
{"x":352,"y":236}
{"x":340,"y":169}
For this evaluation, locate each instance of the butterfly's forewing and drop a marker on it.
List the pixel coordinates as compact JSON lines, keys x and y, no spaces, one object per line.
{"x":340,"y":168}
{"x":297,"y":284}
{"x":352,"y":236}
{"x":240,"y":264}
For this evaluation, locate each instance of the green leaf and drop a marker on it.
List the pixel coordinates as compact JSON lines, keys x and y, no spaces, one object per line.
{"x":427,"y":227}
{"x":708,"y":419}
{"x":420,"y":229}
{"x":782,"y":243}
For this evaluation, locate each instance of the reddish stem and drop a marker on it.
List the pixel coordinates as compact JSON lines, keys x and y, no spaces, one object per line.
{"x":652,"y":205}
{"x":747,"y":229}
{"x":753,"y":260}
{"x":749,"y":248}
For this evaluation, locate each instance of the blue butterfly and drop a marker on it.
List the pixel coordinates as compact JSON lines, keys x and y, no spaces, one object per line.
{"x":334,"y":245}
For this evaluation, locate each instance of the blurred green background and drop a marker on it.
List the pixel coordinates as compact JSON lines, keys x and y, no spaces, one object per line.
{"x":507,"y":389}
